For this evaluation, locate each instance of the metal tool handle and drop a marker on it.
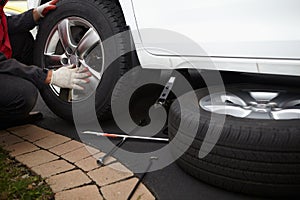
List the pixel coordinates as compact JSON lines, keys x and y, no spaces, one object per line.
{"x":101,"y":160}
{"x":126,"y":136}
{"x":142,"y":177}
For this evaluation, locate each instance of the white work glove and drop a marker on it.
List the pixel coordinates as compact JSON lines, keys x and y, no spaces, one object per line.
{"x":45,"y":8}
{"x":69,"y":77}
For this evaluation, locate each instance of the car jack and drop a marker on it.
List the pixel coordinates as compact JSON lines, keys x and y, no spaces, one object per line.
{"x":161,"y":101}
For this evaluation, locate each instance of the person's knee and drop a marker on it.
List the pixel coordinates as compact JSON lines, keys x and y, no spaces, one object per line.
{"x":29,"y":97}
{"x":25,"y":99}
{"x":17,"y":103}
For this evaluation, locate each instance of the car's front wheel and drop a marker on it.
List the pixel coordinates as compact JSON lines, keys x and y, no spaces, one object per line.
{"x":74,"y":34}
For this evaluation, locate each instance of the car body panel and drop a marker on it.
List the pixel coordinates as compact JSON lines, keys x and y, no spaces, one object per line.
{"x":227,"y":28}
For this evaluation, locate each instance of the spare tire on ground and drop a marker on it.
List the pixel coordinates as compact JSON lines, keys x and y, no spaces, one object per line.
{"x":258,"y":151}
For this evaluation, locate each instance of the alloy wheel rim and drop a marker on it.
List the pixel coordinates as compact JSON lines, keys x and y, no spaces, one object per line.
{"x":254,"y":104}
{"x":75,"y":41}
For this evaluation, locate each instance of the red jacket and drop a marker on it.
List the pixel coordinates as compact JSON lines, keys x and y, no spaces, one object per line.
{"x":5,"y":47}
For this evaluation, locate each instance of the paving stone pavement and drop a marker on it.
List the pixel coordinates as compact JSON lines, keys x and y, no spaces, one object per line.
{"x":69,"y":167}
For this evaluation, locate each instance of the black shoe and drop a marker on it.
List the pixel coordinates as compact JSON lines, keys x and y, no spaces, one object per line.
{"x":31,"y":118}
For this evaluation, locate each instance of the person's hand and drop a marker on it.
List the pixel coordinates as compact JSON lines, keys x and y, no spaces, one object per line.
{"x":43,"y":9}
{"x":70,"y":77}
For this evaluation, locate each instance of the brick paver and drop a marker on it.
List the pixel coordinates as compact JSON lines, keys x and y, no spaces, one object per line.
{"x":21,"y":148}
{"x":110,"y":174}
{"x":52,"y":141}
{"x":121,"y":191}
{"x":35,"y":136}
{"x":52,"y":168}
{"x":90,"y":163}
{"x":30,"y":132}
{"x":9,"y":139}
{"x":80,"y":154}
{"x":143,"y":193}
{"x":50,"y":155}
{"x":87,"y":192}
{"x":36,"y":158}
{"x":22,"y":129}
{"x":66,"y":147}
{"x":67,"y":180}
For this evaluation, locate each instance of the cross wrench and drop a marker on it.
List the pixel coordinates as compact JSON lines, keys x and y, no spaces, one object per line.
{"x":109,"y":135}
{"x":101,"y":160}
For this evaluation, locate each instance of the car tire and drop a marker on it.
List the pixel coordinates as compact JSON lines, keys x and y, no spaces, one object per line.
{"x":107,"y":19}
{"x":252,"y":156}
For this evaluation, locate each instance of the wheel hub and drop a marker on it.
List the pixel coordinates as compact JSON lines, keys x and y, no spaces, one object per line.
{"x":262,"y":107}
{"x":73,"y":60}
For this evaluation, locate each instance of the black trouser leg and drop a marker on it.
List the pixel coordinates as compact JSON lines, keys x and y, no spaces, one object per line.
{"x":18,"y":97}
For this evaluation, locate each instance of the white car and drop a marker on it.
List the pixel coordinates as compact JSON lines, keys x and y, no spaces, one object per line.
{"x":242,"y":36}
{"x":249,"y":36}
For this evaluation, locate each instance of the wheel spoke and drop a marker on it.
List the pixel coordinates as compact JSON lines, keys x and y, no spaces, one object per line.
{"x":221,"y":99}
{"x":287,"y":114}
{"x":94,"y":82}
{"x":93,"y":72}
{"x":88,"y":41}
{"x":226,"y":104}
{"x":292,"y":103}
{"x":230,"y":98}
{"x":264,"y":96}
{"x":235,"y":111}
{"x":65,"y":36}
{"x":52,"y":59}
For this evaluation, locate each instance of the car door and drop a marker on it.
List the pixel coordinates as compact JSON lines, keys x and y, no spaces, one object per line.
{"x":226,"y":28}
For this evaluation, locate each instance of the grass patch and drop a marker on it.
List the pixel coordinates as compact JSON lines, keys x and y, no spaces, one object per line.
{"x":18,"y":182}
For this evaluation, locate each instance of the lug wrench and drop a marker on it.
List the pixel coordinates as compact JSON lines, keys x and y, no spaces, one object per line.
{"x":101,"y":160}
{"x":109,"y":135}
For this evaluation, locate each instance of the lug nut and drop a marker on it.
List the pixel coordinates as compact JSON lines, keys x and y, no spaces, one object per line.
{"x":64,"y":61}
